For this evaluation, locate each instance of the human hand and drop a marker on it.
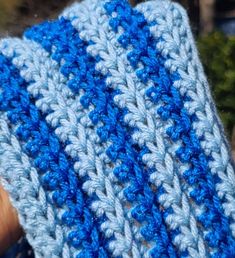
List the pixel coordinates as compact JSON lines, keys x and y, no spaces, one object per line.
{"x":10,"y":230}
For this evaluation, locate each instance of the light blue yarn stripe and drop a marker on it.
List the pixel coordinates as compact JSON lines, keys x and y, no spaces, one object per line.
{"x":73,"y":127}
{"x":113,"y":129}
{"x":55,"y":168}
{"x":92,"y":23}
{"x":149,"y":61}
{"x":193,"y":83}
{"x":124,"y":39}
{"x":22,"y":182}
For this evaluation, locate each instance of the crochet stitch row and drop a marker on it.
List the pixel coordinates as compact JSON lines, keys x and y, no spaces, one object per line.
{"x":110,"y":141}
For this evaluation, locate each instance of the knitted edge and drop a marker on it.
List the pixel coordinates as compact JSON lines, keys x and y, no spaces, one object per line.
{"x":102,"y":65}
{"x":20,"y":179}
{"x":195,"y":85}
{"x":224,"y":188}
{"x":203,"y":192}
{"x":124,"y":100}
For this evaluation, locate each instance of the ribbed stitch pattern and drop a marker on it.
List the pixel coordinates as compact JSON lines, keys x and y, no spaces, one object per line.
{"x":110,"y":142}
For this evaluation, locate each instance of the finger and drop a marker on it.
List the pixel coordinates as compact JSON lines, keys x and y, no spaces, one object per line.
{"x":10,"y":230}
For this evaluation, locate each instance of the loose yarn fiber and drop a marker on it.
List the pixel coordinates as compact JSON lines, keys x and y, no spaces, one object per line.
{"x":110,"y":143}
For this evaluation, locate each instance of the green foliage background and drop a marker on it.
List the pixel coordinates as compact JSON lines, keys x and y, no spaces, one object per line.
{"x":218,"y":56}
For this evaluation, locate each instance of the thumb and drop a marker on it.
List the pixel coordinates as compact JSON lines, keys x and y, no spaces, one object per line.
{"x":10,"y":230}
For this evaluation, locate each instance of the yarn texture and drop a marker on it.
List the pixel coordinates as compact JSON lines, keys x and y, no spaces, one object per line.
{"x":110,"y":142}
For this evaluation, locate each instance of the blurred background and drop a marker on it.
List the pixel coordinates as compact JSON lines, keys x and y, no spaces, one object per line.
{"x":213,"y":24}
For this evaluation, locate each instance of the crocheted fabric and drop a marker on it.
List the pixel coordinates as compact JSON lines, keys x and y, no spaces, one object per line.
{"x":110,"y":144}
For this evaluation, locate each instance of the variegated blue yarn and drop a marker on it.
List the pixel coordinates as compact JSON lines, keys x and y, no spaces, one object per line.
{"x":110,"y":144}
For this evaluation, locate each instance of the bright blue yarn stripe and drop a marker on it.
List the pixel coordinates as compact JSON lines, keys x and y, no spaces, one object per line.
{"x":69,"y":47}
{"x":137,"y":34}
{"x":41,"y":144}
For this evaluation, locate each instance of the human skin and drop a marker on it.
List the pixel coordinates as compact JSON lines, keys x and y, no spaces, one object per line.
{"x":10,"y":230}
